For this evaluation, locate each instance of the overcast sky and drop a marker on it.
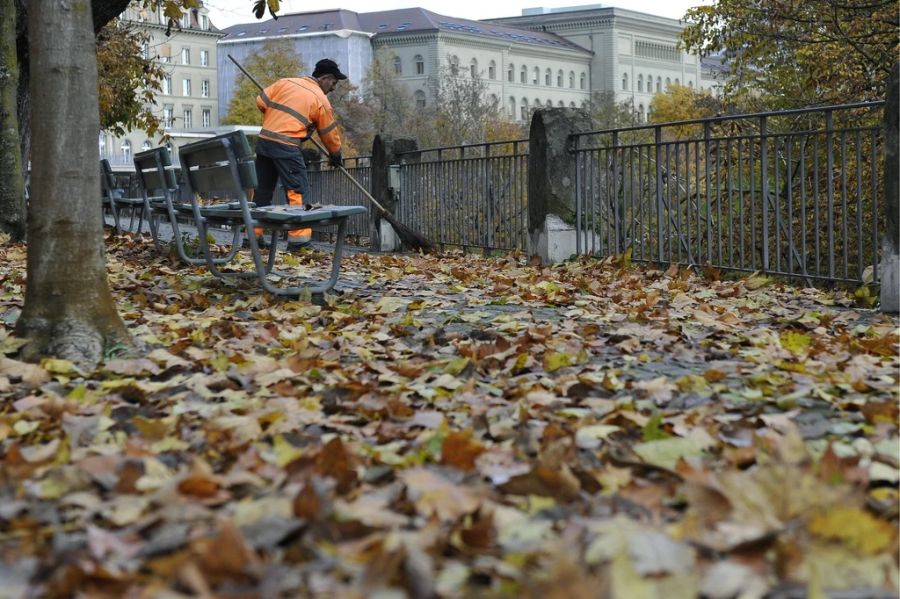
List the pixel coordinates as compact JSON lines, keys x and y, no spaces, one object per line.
{"x":225,"y":13}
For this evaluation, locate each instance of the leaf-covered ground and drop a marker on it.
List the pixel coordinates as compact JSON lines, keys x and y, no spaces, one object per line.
{"x":455,"y":426}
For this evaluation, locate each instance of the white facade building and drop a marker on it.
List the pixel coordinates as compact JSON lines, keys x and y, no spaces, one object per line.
{"x":635,"y":55}
{"x":187,"y":104}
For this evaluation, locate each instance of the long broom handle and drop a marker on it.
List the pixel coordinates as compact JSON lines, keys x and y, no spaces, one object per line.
{"x":315,"y":142}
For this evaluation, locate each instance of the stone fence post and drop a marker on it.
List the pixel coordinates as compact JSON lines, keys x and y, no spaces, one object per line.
{"x":385,"y":188}
{"x":890,"y":256}
{"x":551,"y":183}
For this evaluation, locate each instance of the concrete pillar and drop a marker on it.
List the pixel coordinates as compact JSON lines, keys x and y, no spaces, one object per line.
{"x":890,"y":257}
{"x":386,"y":187}
{"x":551,"y":183}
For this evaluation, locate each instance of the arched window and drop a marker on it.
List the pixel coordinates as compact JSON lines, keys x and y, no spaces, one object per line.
{"x":473,"y":69}
{"x":523,"y":74}
{"x":524,"y":108}
{"x":102,"y":144}
{"x":559,"y":78}
{"x":537,"y":76}
{"x":454,"y":65}
{"x":492,"y":70}
{"x":583,"y":82}
{"x":398,"y":66}
{"x":561,"y":104}
{"x":572,"y":79}
{"x":571,"y":104}
{"x":126,"y":150}
{"x":549,"y":103}
{"x":691,"y":84}
{"x":625,"y":81}
{"x":548,"y":77}
{"x":420,"y":64}
{"x":668,"y":82}
{"x":641,"y":116}
{"x":419,"y":95}
{"x":677,"y":81}
{"x":658,"y":84}
{"x":512,"y":107}
{"x":640,"y":83}
{"x":146,"y":145}
{"x":510,"y":73}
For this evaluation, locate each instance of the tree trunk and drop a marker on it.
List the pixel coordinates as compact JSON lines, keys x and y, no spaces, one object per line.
{"x":69,"y":311}
{"x":12,"y":188}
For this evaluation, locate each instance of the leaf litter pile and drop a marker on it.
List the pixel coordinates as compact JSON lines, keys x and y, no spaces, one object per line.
{"x":455,"y":426}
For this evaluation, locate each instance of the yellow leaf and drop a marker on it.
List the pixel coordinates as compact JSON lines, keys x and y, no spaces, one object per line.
{"x":855,"y":527}
{"x":285,"y":453}
{"x":796,"y":343}
{"x":556,"y":360}
{"x":57,"y":366}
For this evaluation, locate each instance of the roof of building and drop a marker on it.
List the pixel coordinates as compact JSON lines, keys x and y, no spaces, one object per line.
{"x":392,"y":22}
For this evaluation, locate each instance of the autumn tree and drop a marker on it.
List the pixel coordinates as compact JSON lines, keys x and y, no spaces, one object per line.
{"x":276,"y":59}
{"x":607,"y":113}
{"x":786,"y":54}
{"x":128,"y":80}
{"x":390,"y":101}
{"x":461,"y":109}
{"x":681,"y":103}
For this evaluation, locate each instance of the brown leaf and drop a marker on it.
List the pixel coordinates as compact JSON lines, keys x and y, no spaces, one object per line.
{"x":460,"y":450}
{"x":335,"y":461}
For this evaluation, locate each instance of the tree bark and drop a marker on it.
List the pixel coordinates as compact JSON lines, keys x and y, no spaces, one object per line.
{"x":69,"y":311}
{"x":12,"y":188}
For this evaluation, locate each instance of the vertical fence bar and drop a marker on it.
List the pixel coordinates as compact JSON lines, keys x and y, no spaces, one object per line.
{"x":659,"y":193}
{"x":764,"y":165}
{"x":817,"y":199}
{"x":803,"y":233}
{"x":829,"y":149}
{"x":859,"y":207}
{"x":845,"y":215}
{"x":876,"y":246}
{"x":580,"y":189}
{"x":789,"y":173}
{"x":742,"y":213}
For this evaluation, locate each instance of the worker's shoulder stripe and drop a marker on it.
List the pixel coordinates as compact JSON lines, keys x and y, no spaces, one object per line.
{"x":268,"y":102}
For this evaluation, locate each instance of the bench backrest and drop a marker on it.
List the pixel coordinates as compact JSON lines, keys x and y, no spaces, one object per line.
{"x":107,"y":180}
{"x":221,"y":164}
{"x":154,"y":170}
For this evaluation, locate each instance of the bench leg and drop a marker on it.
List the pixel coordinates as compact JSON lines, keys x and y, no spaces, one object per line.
{"x":322,"y":287}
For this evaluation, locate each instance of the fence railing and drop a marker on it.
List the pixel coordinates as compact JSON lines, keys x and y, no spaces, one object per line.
{"x":794,"y":193}
{"x":330,"y":186}
{"x":472,"y":196}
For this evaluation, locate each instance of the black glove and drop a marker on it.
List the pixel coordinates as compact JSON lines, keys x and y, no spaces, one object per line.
{"x":336,"y":159}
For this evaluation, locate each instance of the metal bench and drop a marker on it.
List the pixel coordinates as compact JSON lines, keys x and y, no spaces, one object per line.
{"x":225,"y":165}
{"x":113,"y":200}
{"x":158,"y":184}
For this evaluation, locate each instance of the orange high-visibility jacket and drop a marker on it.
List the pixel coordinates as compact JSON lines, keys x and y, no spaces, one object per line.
{"x":295,"y":107}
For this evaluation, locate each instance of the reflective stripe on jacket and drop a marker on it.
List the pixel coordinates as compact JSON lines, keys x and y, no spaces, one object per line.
{"x":293,"y":108}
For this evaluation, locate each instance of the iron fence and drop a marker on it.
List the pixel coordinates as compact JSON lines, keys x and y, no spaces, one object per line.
{"x":330,"y":186}
{"x":470,"y":196}
{"x":793,"y":193}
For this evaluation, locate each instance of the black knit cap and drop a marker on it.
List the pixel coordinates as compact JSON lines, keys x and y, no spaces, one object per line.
{"x":326,"y":66}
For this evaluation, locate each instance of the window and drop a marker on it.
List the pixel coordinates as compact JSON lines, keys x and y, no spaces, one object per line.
{"x":186,"y":20}
{"x":537,"y":76}
{"x":559,"y":78}
{"x":420,"y":64}
{"x":658,"y":84}
{"x":492,"y":70}
{"x":188,"y":118}
{"x":204,"y":88}
{"x":640,"y":83}
{"x":167,"y":117}
{"x":146,"y":145}
{"x":420,"y":98}
{"x":583,"y":82}
{"x":572,"y":79}
{"x":473,"y":69}
{"x":186,"y":87}
{"x":677,"y":81}
{"x":126,"y":151}
{"x":524,"y":108}
{"x":145,"y":50}
{"x":185,"y":56}
{"x":548,"y":77}
{"x":204,"y":22}
{"x":691,"y":84}
{"x":167,"y":85}
{"x":204,"y":58}
{"x":561,"y":104}
{"x":102,"y":144}
{"x":510,"y":73}
{"x":668,"y":82}
{"x":624,"y":81}
{"x":523,"y":74}
{"x":512,"y":106}
{"x":571,"y":104}
{"x":454,"y":65}
{"x":205,"y":116}
{"x":549,"y":104}
{"x":495,"y":102}
{"x":398,"y":66}
{"x":641,"y":115}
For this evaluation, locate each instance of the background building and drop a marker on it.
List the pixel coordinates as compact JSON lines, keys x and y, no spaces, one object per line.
{"x":187,"y":104}
{"x":635,"y":55}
